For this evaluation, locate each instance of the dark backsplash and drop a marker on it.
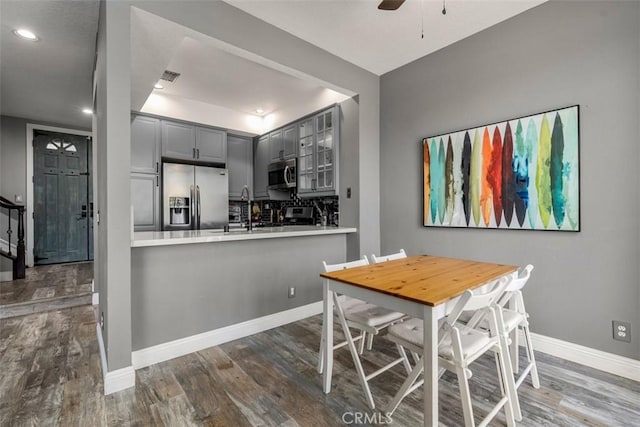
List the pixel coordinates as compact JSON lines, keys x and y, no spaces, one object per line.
{"x":330,"y":204}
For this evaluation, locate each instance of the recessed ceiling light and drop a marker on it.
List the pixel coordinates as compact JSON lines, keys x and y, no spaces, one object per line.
{"x":87,"y":110}
{"x":23,"y":33}
{"x":158,"y":86}
{"x":260,"y":111}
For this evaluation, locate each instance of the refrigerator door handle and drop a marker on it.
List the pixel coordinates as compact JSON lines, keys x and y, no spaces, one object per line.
{"x":192,"y":207}
{"x":198,"y":208}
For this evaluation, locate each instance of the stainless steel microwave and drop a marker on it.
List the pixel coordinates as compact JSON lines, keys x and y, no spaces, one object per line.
{"x":282,"y":175}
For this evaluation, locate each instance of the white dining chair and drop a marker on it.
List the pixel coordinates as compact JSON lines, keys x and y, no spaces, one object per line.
{"x":459,"y":346}
{"x":516,"y":318}
{"x":382,"y":258}
{"x":367,"y":318}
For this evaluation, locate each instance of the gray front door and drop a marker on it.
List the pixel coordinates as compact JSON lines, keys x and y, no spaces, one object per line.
{"x":61,"y":197}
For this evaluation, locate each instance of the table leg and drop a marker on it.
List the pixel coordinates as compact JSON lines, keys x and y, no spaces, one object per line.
{"x":430,"y":361}
{"x":327,"y":324}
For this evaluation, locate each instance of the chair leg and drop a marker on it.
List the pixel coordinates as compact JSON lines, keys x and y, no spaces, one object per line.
{"x":465,"y":396}
{"x":406,"y":386}
{"x":535,"y":380}
{"x":354,"y":354}
{"x":405,"y":359}
{"x":515,"y":351}
{"x":363,"y":336}
{"x":370,"y":342}
{"x":505,"y":373}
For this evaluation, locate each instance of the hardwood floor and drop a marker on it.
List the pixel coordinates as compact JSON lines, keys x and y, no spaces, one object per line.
{"x":47,"y":287}
{"x":51,"y":376}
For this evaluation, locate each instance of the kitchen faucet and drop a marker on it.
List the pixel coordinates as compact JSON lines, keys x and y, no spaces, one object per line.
{"x":244,"y":195}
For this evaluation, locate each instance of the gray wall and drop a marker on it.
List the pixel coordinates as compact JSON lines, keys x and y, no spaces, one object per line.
{"x":230,"y":25}
{"x":555,"y":55}
{"x":13,"y":165}
{"x":349,"y":173}
{"x":175,"y":295}
{"x":112,"y":130}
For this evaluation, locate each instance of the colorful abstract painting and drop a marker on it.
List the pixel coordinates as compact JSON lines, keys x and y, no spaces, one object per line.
{"x":519,"y":174}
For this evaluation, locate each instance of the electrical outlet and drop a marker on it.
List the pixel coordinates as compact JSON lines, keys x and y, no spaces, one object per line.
{"x":292,"y":292}
{"x":348,"y":192}
{"x":621,"y":331}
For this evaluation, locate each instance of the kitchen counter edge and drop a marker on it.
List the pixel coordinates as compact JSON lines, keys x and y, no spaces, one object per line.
{"x":142,"y":239}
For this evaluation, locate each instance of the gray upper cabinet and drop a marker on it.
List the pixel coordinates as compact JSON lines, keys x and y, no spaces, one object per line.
{"x":318,"y":141}
{"x":145,"y":199}
{"x":178,"y":140}
{"x":261,"y":161}
{"x":282,"y":143}
{"x":211,"y":145}
{"x":183,"y":141}
{"x":145,"y":144}
{"x":289,"y":146}
{"x":239,"y":164}
{"x":275,"y":145}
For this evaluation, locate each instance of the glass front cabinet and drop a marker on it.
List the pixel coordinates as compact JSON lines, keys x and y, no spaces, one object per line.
{"x":318,"y":154}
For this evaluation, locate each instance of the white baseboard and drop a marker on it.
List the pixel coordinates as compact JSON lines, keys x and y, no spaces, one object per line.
{"x":170,"y":350}
{"x":597,"y":359}
{"x":6,"y":276}
{"x":119,"y":379}
{"x":95,"y":298}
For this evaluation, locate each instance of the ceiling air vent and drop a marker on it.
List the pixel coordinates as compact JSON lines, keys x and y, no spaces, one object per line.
{"x":169,"y":76}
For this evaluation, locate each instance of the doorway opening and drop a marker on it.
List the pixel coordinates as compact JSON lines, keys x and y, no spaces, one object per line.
{"x":62,"y":197}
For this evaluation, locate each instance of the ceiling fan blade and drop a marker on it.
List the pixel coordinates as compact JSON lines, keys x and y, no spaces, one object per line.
{"x":390,"y":4}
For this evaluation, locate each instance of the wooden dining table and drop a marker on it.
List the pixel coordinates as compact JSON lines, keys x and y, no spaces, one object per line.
{"x":419,"y":286}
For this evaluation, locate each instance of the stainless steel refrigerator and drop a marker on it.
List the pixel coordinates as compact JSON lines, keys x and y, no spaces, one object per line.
{"x":194,"y":197}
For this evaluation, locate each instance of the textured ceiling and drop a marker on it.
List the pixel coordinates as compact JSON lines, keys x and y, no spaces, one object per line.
{"x":51,"y":79}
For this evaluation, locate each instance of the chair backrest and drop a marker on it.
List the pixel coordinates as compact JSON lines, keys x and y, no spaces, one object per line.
{"x":344,"y":265}
{"x":470,"y":301}
{"x":382,"y":258}
{"x":519,"y":282}
{"x":513,"y":290}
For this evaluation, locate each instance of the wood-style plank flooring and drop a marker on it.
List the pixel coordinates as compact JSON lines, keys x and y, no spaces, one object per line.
{"x":50,"y":375}
{"x":47,"y":287}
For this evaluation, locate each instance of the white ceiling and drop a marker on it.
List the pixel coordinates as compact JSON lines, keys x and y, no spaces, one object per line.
{"x":214,"y":76}
{"x":381,"y":41}
{"x":50,"y":80}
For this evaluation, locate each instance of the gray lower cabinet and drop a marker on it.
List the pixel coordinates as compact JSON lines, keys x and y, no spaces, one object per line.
{"x":261,"y":162}
{"x":145,"y":144}
{"x":183,"y":141}
{"x":145,"y":199}
{"x":239,"y":164}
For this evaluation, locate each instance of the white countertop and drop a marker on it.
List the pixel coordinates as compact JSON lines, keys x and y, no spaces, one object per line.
{"x":163,"y":238}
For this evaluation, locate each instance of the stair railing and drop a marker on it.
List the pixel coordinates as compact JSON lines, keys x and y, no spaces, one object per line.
{"x":18,"y":259}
